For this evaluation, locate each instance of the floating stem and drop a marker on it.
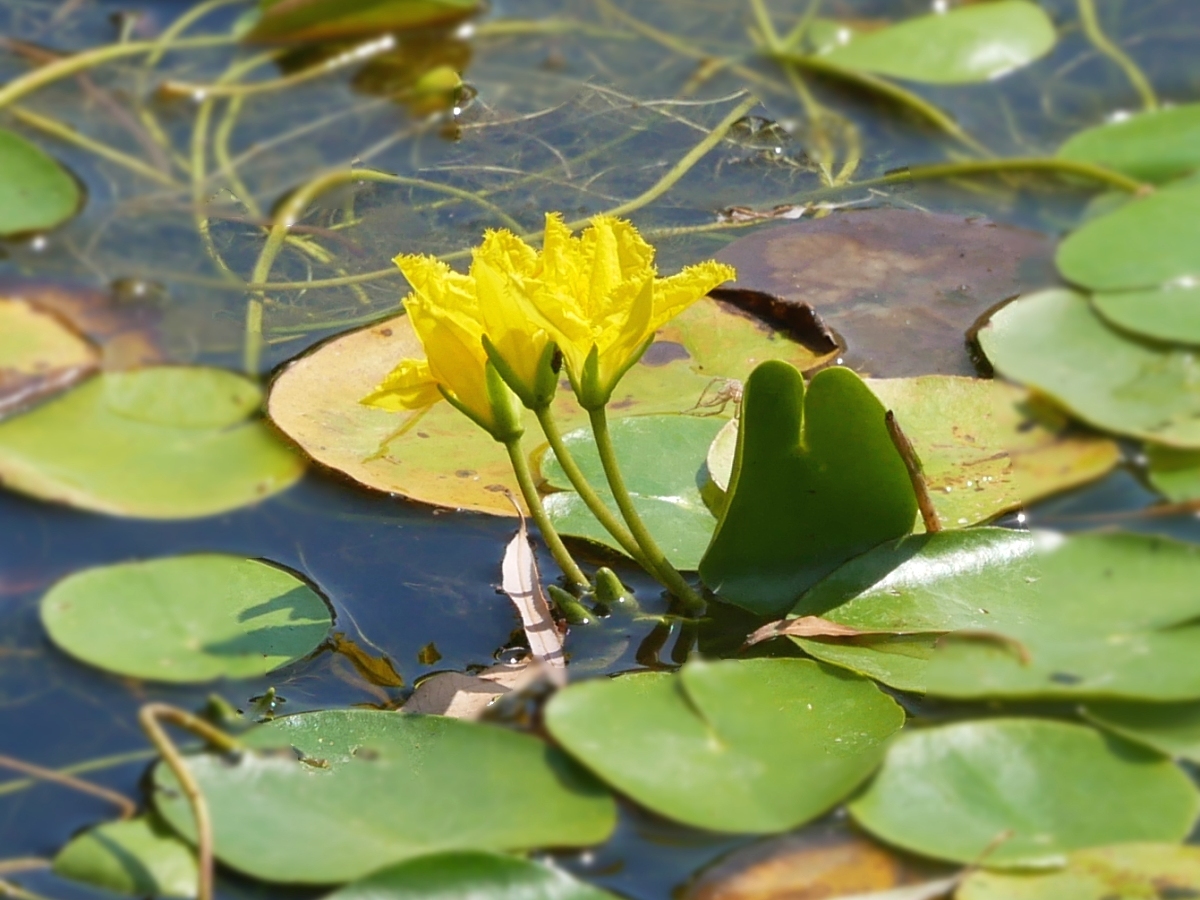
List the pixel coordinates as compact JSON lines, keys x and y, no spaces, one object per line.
{"x":538,"y":512}
{"x":127,"y":806}
{"x":659,"y":564}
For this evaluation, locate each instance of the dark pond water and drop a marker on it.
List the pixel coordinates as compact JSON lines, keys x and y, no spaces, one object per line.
{"x":569,"y":119}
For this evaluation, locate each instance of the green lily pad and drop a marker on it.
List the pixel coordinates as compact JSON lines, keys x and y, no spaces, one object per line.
{"x":313,"y":21}
{"x":1172,"y":729}
{"x":1149,"y":242}
{"x":439,"y":456}
{"x":662,"y":460}
{"x":1164,"y":314}
{"x":331,"y":796}
{"x":36,"y":193}
{"x":991,"y":612}
{"x":1122,"y":871}
{"x":1022,"y":792}
{"x":39,"y":355}
{"x":816,"y":480}
{"x":968,"y":44}
{"x":1154,"y":146}
{"x":140,"y":857}
{"x":186,"y":618}
{"x":160,"y":443}
{"x":1174,"y":473}
{"x":754,"y":746}
{"x":1051,"y":341}
{"x":469,"y":875}
{"x":985,"y":447}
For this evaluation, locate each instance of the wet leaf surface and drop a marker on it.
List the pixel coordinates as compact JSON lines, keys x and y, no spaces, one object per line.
{"x":986,"y":448}
{"x":1146,"y":243}
{"x":442,"y":458}
{"x":968,"y":44}
{"x":1022,"y":792}
{"x":1152,"y":871}
{"x":140,"y":857}
{"x":332,"y":796}
{"x":899,"y":287}
{"x":1165,"y":314}
{"x":1051,"y":340}
{"x":839,"y":863}
{"x":662,"y":460}
{"x":1077,"y":607}
{"x":1154,"y":146}
{"x":469,"y":876}
{"x":36,"y":193}
{"x":816,"y":480}
{"x":754,"y":745}
{"x":161,"y":443}
{"x":186,"y":618}
{"x":39,"y":356}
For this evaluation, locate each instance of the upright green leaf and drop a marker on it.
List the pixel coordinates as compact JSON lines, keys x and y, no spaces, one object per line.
{"x":1154,"y":146}
{"x":754,"y":745}
{"x":1022,"y":792}
{"x":327,"y":797}
{"x":36,"y":193}
{"x":968,"y":44}
{"x":816,"y":480}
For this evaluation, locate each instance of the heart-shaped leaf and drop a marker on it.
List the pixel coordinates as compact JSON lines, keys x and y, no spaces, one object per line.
{"x":139,"y":857}
{"x":1170,"y":314}
{"x":1155,"y":146}
{"x":1172,"y":729}
{"x":816,"y":480}
{"x":974,"y":43}
{"x":755,"y":745}
{"x":36,"y":193}
{"x":1022,"y":792}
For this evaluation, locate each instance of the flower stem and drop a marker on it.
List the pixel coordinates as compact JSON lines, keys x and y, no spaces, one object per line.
{"x":659,"y":563}
{"x":587,"y":493}
{"x":529,"y":491}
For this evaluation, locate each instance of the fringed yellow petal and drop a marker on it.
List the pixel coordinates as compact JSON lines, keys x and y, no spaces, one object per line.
{"x":408,"y":386}
{"x":675,"y":294}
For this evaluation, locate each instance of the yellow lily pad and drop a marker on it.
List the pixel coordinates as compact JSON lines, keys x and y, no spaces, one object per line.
{"x":39,"y":355}
{"x":440,"y":457}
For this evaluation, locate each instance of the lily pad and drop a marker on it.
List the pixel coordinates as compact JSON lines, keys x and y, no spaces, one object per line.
{"x":1022,"y":792}
{"x":1154,"y":146}
{"x":754,"y":746}
{"x":140,"y":857}
{"x":968,"y":44}
{"x":313,"y":21}
{"x":39,"y":356}
{"x":1051,"y":341}
{"x":1149,"y":242}
{"x":36,"y":192}
{"x":159,"y":443}
{"x":186,"y":618}
{"x":986,"y":448}
{"x":439,"y":456}
{"x":1105,"y":873}
{"x":327,"y":797}
{"x":1172,"y":729}
{"x":816,"y":480}
{"x":1174,"y":473}
{"x":1169,"y":314}
{"x":469,"y":875}
{"x":899,"y":287}
{"x":662,"y":460}
{"x":991,"y":612}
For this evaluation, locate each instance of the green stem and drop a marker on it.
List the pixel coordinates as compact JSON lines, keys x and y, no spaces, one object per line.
{"x":659,"y":564}
{"x":586,"y":492}
{"x":1016,"y":164}
{"x":1101,"y":41}
{"x":532,"y":500}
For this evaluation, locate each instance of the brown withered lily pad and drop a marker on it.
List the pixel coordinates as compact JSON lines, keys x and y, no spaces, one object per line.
{"x":898,"y":288}
{"x":40,"y":355}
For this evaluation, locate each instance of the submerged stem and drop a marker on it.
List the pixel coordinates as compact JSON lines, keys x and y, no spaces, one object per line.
{"x":1102,"y":42}
{"x":586,"y":492}
{"x":538,"y":513}
{"x":660,"y":565}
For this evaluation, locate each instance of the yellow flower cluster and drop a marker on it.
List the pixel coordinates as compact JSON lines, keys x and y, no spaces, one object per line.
{"x":595,"y":297}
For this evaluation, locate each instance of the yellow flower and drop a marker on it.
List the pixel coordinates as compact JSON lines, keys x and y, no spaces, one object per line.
{"x":601,"y":301}
{"x":445,"y":314}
